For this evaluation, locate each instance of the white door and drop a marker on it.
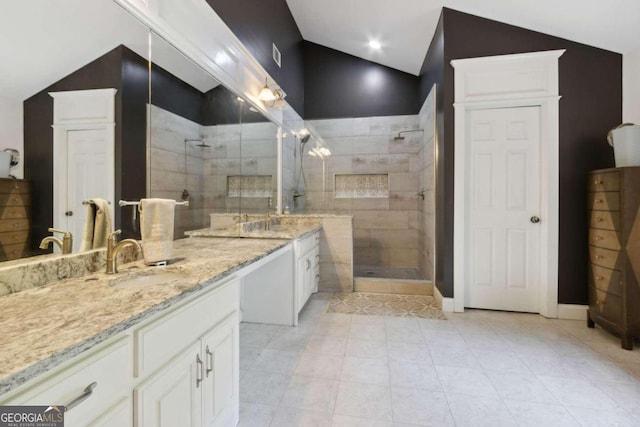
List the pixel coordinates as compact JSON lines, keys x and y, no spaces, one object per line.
{"x":88,"y":175}
{"x":222,"y":373}
{"x":503,"y":182}
{"x":172,"y":397}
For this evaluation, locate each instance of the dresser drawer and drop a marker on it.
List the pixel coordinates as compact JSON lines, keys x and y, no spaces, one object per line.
{"x":606,"y":279}
{"x":606,"y":305}
{"x":604,"y":239}
{"x":14,"y":186}
{"x":18,"y":250}
{"x":13,"y":212}
{"x":608,"y":181}
{"x":14,"y":225}
{"x":605,"y":258}
{"x":13,"y":237}
{"x":604,"y":220}
{"x":15,"y":199}
{"x":604,"y":201}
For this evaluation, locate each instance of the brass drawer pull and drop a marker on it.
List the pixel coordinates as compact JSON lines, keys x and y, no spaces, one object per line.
{"x":597,"y":238}
{"x":599,"y":278}
{"x":598,"y":182}
{"x":599,"y":201}
{"x":599,"y":257}
{"x":600,"y":219}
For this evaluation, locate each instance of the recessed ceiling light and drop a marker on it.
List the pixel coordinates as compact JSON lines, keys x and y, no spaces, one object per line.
{"x":374,"y":44}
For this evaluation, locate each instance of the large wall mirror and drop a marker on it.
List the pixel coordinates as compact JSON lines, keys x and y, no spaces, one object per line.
{"x":207,"y":145}
{"x":176,"y":133}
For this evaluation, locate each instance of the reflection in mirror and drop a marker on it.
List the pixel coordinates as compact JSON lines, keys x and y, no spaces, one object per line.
{"x":74,"y":78}
{"x":207,"y":145}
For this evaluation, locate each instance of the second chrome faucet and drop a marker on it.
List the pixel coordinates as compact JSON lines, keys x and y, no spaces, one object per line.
{"x":113,"y":249}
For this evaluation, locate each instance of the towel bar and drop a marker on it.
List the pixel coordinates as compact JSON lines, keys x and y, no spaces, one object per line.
{"x":125,"y":203}
{"x":91,"y":202}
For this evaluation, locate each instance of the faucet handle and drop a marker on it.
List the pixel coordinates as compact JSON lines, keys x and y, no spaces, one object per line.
{"x":113,"y":234}
{"x":67,"y":234}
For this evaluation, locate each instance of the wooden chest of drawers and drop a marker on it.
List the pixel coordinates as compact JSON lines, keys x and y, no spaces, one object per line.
{"x":614,"y":251}
{"x":15,"y":218}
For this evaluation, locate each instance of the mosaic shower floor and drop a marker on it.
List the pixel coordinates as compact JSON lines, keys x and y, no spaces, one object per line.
{"x":421,"y":306}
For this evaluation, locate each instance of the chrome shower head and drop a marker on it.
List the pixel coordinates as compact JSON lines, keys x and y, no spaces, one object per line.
{"x":201,"y":141}
{"x":398,"y":138}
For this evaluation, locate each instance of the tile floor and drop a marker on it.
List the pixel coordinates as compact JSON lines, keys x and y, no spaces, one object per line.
{"x":480,"y":368}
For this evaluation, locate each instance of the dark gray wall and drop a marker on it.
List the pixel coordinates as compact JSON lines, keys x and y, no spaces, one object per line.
{"x":258,"y":24}
{"x":591,"y":104}
{"x":340,"y":85}
{"x":432,"y":72}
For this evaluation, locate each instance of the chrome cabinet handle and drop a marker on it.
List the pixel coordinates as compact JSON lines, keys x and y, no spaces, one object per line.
{"x":209,"y":362}
{"x":86,"y":393}
{"x":198,"y":370}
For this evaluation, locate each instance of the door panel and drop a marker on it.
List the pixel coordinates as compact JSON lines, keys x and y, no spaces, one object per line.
{"x":88,"y":176}
{"x":503,"y":245}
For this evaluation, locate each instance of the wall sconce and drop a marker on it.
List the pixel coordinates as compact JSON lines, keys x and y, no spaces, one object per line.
{"x":266,"y":94}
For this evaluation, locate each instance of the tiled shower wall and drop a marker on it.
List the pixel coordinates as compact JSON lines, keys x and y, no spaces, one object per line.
{"x":169,"y":177}
{"x":426,"y":177}
{"x":386,"y":230}
{"x":208,"y":168}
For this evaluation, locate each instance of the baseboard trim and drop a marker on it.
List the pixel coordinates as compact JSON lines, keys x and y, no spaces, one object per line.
{"x":446,"y":304}
{"x":572,"y":311}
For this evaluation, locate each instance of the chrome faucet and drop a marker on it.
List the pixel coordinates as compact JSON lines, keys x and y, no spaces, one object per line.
{"x":65,"y":245}
{"x":114,"y":249}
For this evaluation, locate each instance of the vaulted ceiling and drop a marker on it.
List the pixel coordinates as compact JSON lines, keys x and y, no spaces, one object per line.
{"x":404,"y":28}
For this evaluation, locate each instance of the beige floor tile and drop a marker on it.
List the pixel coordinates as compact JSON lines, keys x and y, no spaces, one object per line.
{"x":368,"y":371}
{"x":501,"y":361}
{"x":276,"y":361}
{"x":465,"y":381}
{"x":346,"y":421}
{"x":264,"y":388}
{"x":367,"y":332}
{"x":596,"y":418}
{"x":523,"y":386}
{"x":410,"y":352}
{"x":366,"y":349}
{"x":254,"y":415}
{"x":319,"y":344}
{"x":364,"y":400}
{"x":479,"y":411}
{"x":292,"y":417}
{"x":319,"y":366}
{"x":578,"y":392}
{"x":312,"y":394}
{"x":453,"y":356}
{"x":414,"y":375}
{"x":530,"y":414}
{"x":420,"y":407}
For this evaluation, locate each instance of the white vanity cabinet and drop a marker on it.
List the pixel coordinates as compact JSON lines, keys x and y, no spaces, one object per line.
{"x":95,"y":387}
{"x":199,"y":385}
{"x":307,"y":251}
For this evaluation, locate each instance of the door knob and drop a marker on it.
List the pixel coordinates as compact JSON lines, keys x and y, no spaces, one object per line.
{"x":68,"y":213}
{"x":535,"y":219}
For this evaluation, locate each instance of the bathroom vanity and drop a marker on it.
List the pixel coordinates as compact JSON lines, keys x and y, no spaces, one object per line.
{"x":148,"y":346}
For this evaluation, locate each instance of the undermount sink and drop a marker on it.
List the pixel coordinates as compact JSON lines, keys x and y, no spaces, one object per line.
{"x":143,"y":281}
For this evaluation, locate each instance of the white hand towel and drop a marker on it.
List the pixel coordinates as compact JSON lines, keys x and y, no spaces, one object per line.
{"x":97,"y":226}
{"x":156,"y":229}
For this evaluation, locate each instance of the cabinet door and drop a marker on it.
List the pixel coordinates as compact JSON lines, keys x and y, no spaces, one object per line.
{"x":221,"y":379}
{"x":172,"y":397}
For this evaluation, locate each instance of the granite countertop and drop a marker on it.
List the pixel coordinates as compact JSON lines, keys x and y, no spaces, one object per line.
{"x":46,"y":326}
{"x":274,"y":232}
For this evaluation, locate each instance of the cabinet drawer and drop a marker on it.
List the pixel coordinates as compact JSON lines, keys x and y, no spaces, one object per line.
{"x":18,"y":250}
{"x":604,"y":201}
{"x":607,"y":305}
{"x":307,"y":244}
{"x":14,"y":225}
{"x":605,"y":258}
{"x":163,"y":338}
{"x":15,"y":199}
{"x":604,"y":239}
{"x":604,"y":220}
{"x":608,"y":181}
{"x":109,"y":369}
{"x":606,"y":279}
